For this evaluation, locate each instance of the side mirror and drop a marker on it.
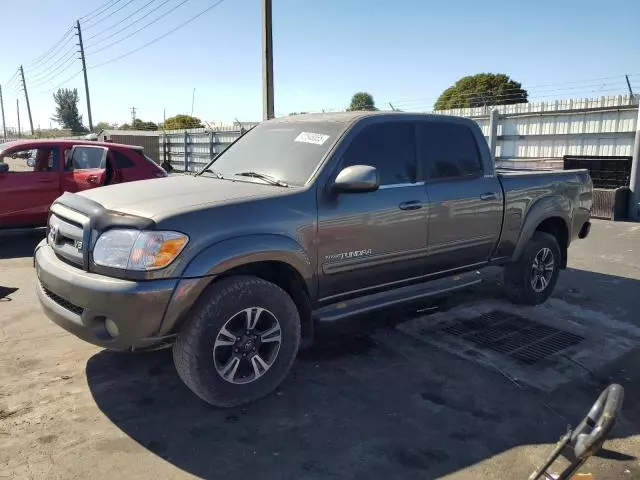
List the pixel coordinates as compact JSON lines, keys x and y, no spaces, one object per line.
{"x":4,"y":168}
{"x":357,"y":179}
{"x":31,"y":162}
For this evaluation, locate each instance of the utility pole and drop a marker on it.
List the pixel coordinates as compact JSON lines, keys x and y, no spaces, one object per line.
{"x":18,"y":110}
{"x":26,"y":97}
{"x":634,"y":184}
{"x":133,"y":116}
{"x":84,"y":70}
{"x":4,"y":124}
{"x":629,"y":87}
{"x":193,"y":99}
{"x":267,"y":62}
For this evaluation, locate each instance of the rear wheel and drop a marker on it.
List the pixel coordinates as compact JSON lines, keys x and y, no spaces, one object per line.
{"x":240,"y":341}
{"x":531,"y":279}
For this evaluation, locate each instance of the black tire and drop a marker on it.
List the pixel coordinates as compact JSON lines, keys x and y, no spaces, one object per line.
{"x":193,"y":352}
{"x":518,"y":276}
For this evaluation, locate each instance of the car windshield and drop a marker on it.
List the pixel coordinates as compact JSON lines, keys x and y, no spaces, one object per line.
{"x":285,"y":151}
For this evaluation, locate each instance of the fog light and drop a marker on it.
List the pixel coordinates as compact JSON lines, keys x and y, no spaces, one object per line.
{"x":111,"y":328}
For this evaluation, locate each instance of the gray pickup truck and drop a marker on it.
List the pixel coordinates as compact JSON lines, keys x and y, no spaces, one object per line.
{"x":311,"y":218}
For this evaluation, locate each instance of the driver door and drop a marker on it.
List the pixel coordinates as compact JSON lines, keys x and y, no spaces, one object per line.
{"x":29,"y":186}
{"x":85,"y":167}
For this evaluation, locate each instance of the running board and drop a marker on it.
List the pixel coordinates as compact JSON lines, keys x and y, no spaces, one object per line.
{"x":397,"y":296}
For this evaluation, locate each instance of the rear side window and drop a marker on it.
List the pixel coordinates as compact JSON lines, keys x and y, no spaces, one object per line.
{"x":121,"y":160}
{"x":84,"y":158}
{"x":449,"y":151}
{"x":390,"y":147}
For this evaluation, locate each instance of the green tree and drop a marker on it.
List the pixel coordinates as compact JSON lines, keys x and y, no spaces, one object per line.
{"x":67,"y":114}
{"x":362,"y":101}
{"x":104,"y":126}
{"x":139,"y":125}
{"x":180,"y":122}
{"x":480,"y":90}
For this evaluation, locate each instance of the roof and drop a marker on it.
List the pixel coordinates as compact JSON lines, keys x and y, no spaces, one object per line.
{"x":350,"y":117}
{"x":63,"y":141}
{"x":140,"y":133}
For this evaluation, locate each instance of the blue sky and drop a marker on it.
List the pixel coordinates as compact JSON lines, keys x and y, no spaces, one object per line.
{"x":403,"y":51}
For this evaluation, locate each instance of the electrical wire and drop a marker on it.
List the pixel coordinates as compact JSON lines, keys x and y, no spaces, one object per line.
{"x":138,"y":30}
{"x":101,"y":9}
{"x":157,"y":39}
{"x":109,"y":28}
{"x":47,"y":63}
{"x":429,"y":106}
{"x":53,"y":67}
{"x":461,"y":98}
{"x":134,"y":22}
{"x":87,"y":27}
{"x":60,"y":71}
{"x":12,"y":78}
{"x":61,"y":83}
{"x":530,"y":90}
{"x":63,"y":40}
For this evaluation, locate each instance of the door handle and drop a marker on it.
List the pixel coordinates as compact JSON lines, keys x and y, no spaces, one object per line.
{"x":411,"y":205}
{"x":488,"y":196}
{"x":92,"y":179}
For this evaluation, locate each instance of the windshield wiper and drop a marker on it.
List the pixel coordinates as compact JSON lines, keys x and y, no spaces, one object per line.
{"x":267,"y":178}
{"x":211,"y":170}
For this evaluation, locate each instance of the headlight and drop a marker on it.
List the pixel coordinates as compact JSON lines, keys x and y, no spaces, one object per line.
{"x":138,"y":250}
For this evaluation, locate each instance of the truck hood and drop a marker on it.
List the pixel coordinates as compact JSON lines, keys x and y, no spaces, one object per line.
{"x":164,"y":197}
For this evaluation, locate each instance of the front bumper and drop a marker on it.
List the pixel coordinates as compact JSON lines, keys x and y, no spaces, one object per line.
{"x":81,"y":302}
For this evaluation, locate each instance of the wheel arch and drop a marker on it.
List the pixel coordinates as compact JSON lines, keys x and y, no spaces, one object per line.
{"x":552,"y":215}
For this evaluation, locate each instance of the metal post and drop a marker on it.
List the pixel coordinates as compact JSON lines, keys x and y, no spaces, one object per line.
{"x":211,"y":145}
{"x":18,"y":112}
{"x":84,"y":70}
{"x":494,"y":118}
{"x":4,"y":124}
{"x":186,"y":157}
{"x":26,"y":97}
{"x":634,"y":184}
{"x":267,"y":62}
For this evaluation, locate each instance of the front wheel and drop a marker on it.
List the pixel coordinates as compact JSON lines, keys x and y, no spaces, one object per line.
{"x":531,"y":279}
{"x":240,"y":342}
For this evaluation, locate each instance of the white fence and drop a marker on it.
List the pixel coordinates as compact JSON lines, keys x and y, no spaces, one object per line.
{"x":540,"y":134}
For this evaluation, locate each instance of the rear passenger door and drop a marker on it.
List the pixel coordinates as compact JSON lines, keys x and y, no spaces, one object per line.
{"x":85,"y":168}
{"x":465,"y":202}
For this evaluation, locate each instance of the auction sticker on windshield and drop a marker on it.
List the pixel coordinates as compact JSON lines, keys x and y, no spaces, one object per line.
{"x":315,"y":138}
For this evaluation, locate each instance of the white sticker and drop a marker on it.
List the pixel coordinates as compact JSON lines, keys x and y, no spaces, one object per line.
{"x":315,"y":138}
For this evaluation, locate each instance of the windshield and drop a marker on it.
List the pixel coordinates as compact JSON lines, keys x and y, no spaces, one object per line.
{"x":287,"y":151}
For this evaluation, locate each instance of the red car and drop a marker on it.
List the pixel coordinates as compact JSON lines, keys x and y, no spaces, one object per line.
{"x":34,"y":173}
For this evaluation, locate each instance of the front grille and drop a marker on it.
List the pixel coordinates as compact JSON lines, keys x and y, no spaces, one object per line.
{"x":66,"y":304}
{"x":65,"y":236}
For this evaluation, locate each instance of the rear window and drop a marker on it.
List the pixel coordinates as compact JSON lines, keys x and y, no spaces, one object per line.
{"x":141,"y":154}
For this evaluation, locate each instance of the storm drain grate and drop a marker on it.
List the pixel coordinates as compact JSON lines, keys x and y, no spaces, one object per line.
{"x":518,"y":337}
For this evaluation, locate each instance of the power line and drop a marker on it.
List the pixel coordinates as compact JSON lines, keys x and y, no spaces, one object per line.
{"x":45,"y":54}
{"x":60,"y":71}
{"x":140,"y":29}
{"x":118,"y":23}
{"x":515,"y":93}
{"x":102,"y":8}
{"x":133,"y":23}
{"x":53,"y":67}
{"x":52,"y":60}
{"x":541,"y":88}
{"x":429,"y":106}
{"x":108,"y":16}
{"x":61,"y":83}
{"x":157,"y":39}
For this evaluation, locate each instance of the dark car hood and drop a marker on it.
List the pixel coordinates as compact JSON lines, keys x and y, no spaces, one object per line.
{"x":164,"y":197}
